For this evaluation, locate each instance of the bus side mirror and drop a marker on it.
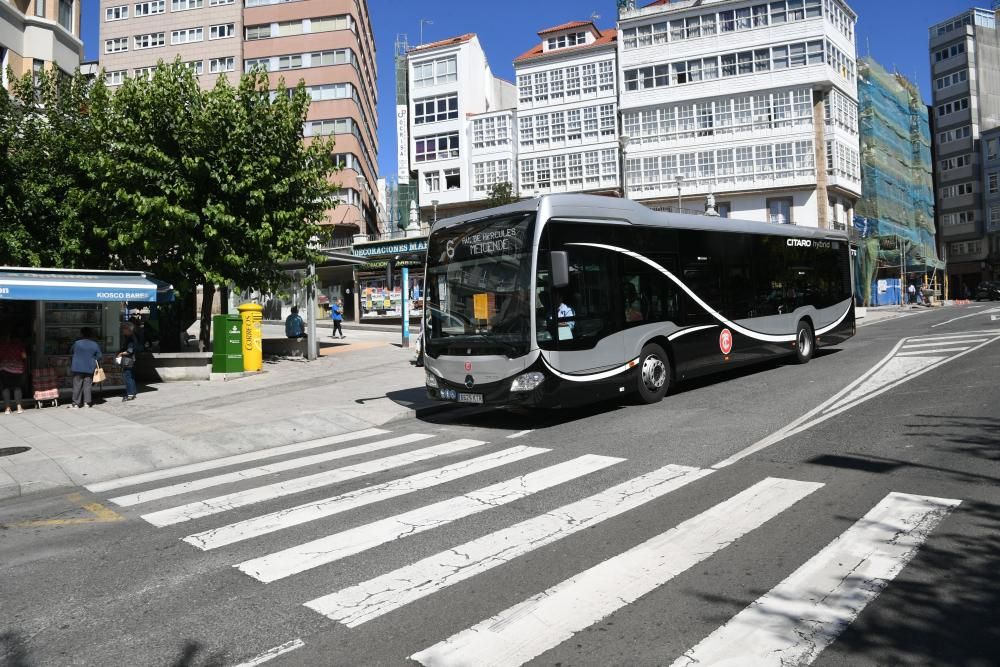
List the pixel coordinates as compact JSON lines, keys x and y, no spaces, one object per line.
{"x":560,"y":268}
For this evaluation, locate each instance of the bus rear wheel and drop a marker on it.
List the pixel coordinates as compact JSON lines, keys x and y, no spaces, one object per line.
{"x":654,"y":374}
{"x":805,"y":343}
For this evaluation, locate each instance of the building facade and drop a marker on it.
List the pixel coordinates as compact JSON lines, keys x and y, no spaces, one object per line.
{"x":38,"y":35}
{"x":965,"y":82}
{"x":452,"y":96}
{"x":567,"y":112}
{"x":755,"y":103}
{"x":327,"y":44}
{"x":990,"y":158}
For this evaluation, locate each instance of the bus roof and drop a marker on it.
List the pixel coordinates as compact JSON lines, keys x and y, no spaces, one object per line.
{"x":615,"y":210}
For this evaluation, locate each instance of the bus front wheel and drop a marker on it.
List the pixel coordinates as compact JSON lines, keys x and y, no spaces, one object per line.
{"x":654,"y":374}
{"x":805,"y":343}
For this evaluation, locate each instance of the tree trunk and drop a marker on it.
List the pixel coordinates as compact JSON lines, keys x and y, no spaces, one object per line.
{"x":224,"y":299}
{"x":207,"y":300}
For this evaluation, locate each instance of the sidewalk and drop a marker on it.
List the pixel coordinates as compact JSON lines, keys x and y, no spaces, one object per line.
{"x":356,"y":384}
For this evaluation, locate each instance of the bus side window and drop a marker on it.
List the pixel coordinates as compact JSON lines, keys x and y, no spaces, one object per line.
{"x":647,"y":294}
{"x":583,"y":309}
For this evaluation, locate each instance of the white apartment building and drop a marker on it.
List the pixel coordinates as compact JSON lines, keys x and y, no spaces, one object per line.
{"x":754,"y":102}
{"x":492,"y":151}
{"x":451,"y":89}
{"x":567,"y":112}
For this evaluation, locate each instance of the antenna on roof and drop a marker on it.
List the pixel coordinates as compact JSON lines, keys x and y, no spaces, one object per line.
{"x":595,"y":17}
{"x":422,"y":22}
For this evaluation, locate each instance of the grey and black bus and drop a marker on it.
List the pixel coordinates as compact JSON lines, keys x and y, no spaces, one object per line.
{"x":568,"y":299}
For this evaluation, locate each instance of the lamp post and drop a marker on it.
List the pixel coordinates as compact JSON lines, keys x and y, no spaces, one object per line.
{"x":434,"y":203}
{"x":623,"y":142}
{"x":311,"y":342}
{"x":680,"y":181}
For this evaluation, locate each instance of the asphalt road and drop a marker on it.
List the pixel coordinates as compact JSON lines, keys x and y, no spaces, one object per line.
{"x":845,"y":512}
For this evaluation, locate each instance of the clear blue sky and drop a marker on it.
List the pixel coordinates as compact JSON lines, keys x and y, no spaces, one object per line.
{"x":894,"y":31}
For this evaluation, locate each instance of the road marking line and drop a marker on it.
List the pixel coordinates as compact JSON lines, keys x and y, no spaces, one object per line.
{"x":349,"y":542}
{"x":805,"y":613}
{"x":909,"y":346}
{"x":269,"y":523}
{"x":375,"y":597}
{"x":951,"y":337}
{"x":261,"y":471}
{"x":955,"y":319}
{"x":236,"y":459}
{"x":520,"y":433}
{"x":298,"y":485}
{"x":273,"y":653}
{"x":935,"y":351}
{"x":101,"y":514}
{"x":544,"y":621}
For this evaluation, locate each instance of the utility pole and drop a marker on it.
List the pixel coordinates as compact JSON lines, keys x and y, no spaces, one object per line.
{"x":902,"y":271}
{"x":312,"y":345}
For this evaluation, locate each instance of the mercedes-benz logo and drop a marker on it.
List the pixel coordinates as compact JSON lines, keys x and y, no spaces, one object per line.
{"x":469,"y":381}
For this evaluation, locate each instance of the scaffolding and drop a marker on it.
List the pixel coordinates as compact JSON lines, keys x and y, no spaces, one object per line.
{"x":405,"y":191}
{"x":895,"y":216}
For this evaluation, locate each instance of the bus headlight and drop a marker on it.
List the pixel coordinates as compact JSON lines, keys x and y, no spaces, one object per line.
{"x":432,"y":380}
{"x":527,"y":381}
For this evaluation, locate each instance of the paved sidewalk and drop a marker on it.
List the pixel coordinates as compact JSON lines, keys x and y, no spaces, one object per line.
{"x":356,"y":384}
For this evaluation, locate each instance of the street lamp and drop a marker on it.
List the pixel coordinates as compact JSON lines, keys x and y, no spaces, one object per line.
{"x":680,"y":181}
{"x":312,"y":346}
{"x":623,"y":142}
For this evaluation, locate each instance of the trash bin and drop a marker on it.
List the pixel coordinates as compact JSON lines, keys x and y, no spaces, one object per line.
{"x":253,"y":351}
{"x":227,"y":344}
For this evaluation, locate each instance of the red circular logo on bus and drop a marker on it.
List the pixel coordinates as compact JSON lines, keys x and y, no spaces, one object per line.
{"x":468,"y":366}
{"x":726,"y":341}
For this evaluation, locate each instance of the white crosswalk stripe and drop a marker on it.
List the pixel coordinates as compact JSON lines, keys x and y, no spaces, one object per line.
{"x":298,"y":485}
{"x":335,"y":547}
{"x":544,"y":621}
{"x":806,"y":612}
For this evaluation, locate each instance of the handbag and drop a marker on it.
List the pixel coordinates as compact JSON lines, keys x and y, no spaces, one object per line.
{"x":99,"y":375}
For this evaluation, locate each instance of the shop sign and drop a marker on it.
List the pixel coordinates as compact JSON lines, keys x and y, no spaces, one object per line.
{"x":391,"y":248}
{"x":402,"y":144}
{"x":75,"y":293}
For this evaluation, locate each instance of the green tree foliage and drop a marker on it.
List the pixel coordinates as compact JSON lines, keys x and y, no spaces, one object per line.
{"x":200,"y":187}
{"x":500,"y":194}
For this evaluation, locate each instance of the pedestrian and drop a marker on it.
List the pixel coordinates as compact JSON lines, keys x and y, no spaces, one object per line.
{"x":294,"y":326}
{"x":337,"y":314}
{"x":13,"y":358}
{"x":126,"y":359}
{"x":86,"y":354}
{"x":912,"y":291}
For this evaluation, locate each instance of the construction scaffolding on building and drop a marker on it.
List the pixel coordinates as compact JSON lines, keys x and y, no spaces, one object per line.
{"x":399,"y":197}
{"x":895,"y":216}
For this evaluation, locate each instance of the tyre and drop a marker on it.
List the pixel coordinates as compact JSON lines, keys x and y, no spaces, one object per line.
{"x":805,"y":343}
{"x":654,"y":374}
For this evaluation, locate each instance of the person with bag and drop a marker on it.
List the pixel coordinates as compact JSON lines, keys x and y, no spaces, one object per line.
{"x":13,"y":358}
{"x":337,"y":314}
{"x":86,"y":356}
{"x":126,"y":359}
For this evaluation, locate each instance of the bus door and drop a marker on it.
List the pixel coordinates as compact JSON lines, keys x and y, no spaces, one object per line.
{"x":702,"y":265}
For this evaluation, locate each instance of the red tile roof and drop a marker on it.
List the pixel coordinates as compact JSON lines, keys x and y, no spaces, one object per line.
{"x":461,"y":39}
{"x":608,"y":36}
{"x":567,"y":26}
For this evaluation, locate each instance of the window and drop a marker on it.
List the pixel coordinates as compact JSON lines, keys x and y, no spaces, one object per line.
{"x":435,"y":72}
{"x":452,"y":179}
{"x":589,"y":78}
{"x":182,"y":5}
{"x":488,"y":174}
{"x":956,"y":162}
{"x":221,"y":31}
{"x":949,"y":52}
{"x":993,"y":179}
{"x":66,"y":14}
{"x":779,"y":211}
{"x":144,"y":72}
{"x":186,"y":36}
{"x":116,"y":45}
{"x":435,"y":109}
{"x":437,"y":147}
{"x":219,"y":3}
{"x":40,"y":8}
{"x":953,"y":107}
{"x":960,"y":190}
{"x":332,"y":91}
{"x":963,"y":132}
{"x":149,"y":41}
{"x":951,"y":79}
{"x":992,"y":149}
{"x":255,"y":32}
{"x":116,"y":78}
{"x":217,"y":65}
{"x":196,"y":66}
{"x":606,"y":75}
{"x":331,"y":126}
{"x":960,"y":218}
{"x":491,"y":131}
{"x":585,"y":304}
{"x":563,"y":41}
{"x":118,"y":13}
{"x":432,"y":181}
{"x":150,"y":8}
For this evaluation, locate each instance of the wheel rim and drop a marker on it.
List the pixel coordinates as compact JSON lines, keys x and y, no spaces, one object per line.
{"x":654,"y":373}
{"x":805,"y":345}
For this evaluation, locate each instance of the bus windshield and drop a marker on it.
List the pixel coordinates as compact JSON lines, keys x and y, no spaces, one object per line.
{"x":478,"y":286}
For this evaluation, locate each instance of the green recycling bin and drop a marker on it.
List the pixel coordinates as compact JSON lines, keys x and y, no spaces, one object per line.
{"x":227,"y":344}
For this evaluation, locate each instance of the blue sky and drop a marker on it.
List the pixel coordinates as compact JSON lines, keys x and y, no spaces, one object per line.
{"x":893,"y":31}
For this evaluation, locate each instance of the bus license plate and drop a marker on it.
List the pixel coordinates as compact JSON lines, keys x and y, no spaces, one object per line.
{"x":470,"y":398}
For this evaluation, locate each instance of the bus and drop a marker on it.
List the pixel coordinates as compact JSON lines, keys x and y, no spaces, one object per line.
{"x":569,"y":299}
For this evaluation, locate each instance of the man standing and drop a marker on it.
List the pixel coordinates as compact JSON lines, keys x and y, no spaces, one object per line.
{"x":294,"y":326}
{"x":912,"y":291}
{"x":337,"y":314}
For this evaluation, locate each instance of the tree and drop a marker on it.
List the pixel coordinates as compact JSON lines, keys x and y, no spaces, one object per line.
{"x":500,"y":194}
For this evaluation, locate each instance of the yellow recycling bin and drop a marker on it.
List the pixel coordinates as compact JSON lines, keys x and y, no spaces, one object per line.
{"x":253,"y":356}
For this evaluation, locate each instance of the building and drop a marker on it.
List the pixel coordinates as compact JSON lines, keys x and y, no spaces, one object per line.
{"x":567,"y":112}
{"x":965,"y":74}
{"x":990,"y":158}
{"x":753,"y":102}
{"x":896,"y":209}
{"x":38,"y":35}
{"x":204,"y":34}
{"x":328,"y":44}
{"x":452,"y":96}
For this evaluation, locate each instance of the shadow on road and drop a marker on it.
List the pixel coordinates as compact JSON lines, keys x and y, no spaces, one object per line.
{"x":14,"y":653}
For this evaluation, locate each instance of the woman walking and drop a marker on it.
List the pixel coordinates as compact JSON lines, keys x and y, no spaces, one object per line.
{"x":12,"y":366}
{"x":86,"y":354}
{"x":126,"y":358}
{"x":337,"y":313}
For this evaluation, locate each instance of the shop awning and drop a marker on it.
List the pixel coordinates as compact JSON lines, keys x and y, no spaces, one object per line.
{"x":29,"y":284}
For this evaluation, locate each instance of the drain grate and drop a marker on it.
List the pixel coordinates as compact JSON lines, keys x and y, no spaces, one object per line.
{"x":10,"y":451}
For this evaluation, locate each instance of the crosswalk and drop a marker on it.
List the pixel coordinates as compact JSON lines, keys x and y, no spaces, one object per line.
{"x":791,"y":624}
